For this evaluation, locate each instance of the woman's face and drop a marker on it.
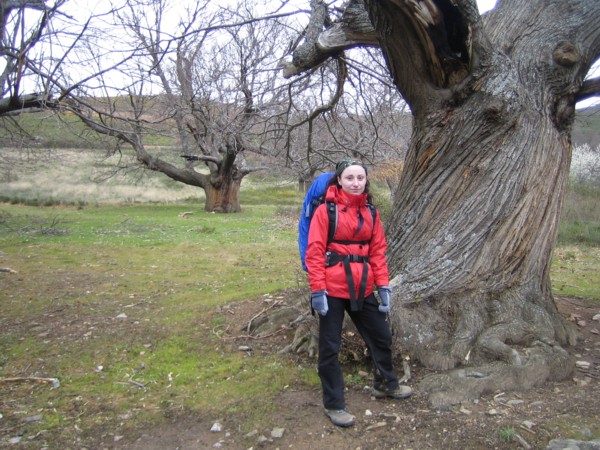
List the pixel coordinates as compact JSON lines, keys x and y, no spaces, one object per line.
{"x":353,"y":179}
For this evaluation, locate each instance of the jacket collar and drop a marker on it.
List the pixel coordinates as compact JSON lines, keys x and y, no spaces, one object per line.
{"x":341,"y":197}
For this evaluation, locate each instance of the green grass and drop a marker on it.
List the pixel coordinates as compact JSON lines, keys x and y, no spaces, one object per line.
{"x":507,"y":434}
{"x":575,"y":271}
{"x":168,"y":276}
{"x":580,"y":221}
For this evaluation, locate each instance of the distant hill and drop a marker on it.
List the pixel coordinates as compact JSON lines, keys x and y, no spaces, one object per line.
{"x":50,"y":130}
{"x":587,"y":126}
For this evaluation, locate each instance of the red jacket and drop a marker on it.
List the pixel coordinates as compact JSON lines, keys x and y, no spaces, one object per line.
{"x":333,"y":278}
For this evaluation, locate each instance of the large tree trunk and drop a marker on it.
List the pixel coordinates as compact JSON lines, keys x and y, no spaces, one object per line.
{"x":471,"y":237}
{"x":477,"y":208}
{"x":224,"y":197}
{"x":221,"y":186}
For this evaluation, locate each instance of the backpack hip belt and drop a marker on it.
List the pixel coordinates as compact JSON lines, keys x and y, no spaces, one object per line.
{"x":333,"y":258}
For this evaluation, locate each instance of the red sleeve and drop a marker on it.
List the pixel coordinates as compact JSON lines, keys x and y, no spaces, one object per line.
{"x":377,"y":258}
{"x":317,"y":245}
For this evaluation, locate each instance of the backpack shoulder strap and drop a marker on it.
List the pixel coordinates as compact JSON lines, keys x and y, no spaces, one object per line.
{"x":373,"y":213}
{"x":332,"y":213}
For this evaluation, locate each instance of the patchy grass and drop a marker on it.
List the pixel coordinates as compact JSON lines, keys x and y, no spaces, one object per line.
{"x":574,"y":427}
{"x":121,"y":304}
{"x":580,"y":220}
{"x":575,"y":272}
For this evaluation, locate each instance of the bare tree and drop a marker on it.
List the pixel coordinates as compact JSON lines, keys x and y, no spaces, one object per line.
{"x":477,"y":208}
{"x":209,"y":75}
{"x":24,"y":28}
{"x":348,"y":108}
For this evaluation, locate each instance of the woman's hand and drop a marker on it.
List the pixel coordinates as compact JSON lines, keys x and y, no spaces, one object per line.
{"x":385,"y":293}
{"x":318,"y":301}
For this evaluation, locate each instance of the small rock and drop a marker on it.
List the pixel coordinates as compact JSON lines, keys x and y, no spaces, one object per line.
{"x":122,"y":316}
{"x":596,"y":317}
{"x":582,"y":382}
{"x":368,"y":412}
{"x":14,"y":440}
{"x":251,"y":434}
{"x":391,"y":416}
{"x":32,"y":419}
{"x":216,"y":428}
{"x":465,"y":411}
{"x":515,"y":402}
{"x":495,"y":412}
{"x":528,"y":424}
{"x":562,"y":444}
{"x":583,"y":364}
{"x":244,"y":348}
{"x":277,"y":433}
{"x":262,"y":439}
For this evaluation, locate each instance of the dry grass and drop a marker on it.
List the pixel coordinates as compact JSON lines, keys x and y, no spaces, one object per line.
{"x":84,"y":176}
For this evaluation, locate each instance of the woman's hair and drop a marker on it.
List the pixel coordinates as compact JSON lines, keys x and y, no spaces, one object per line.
{"x":339,"y":169}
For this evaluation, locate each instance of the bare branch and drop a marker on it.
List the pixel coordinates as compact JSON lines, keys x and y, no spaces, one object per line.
{"x":590,"y":88}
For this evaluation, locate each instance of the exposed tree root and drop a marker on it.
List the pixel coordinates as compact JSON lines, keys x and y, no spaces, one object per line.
{"x":444,"y":334}
{"x":512,"y":342}
{"x":539,"y":364}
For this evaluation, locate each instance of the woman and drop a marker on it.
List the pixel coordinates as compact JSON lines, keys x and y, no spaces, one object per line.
{"x":342,"y":272}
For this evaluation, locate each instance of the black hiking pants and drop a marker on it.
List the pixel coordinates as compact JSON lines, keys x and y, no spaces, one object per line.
{"x":375,"y":331}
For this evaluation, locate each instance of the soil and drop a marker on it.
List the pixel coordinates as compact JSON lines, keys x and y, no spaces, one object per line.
{"x":503,"y":420}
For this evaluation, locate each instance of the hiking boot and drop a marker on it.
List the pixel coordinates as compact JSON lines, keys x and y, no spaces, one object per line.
{"x":340,"y":417}
{"x":398,"y":394}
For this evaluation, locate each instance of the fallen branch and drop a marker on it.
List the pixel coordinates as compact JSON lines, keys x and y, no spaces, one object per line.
{"x":140,"y":385}
{"x":53,"y":381}
{"x":133,"y":383}
{"x":519,"y":439}
{"x":249,"y":336}
{"x":7,"y":269}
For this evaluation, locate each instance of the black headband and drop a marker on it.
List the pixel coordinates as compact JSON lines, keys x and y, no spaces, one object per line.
{"x":343,"y":165}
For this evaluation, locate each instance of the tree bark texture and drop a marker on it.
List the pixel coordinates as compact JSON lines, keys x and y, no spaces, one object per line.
{"x":477,"y":208}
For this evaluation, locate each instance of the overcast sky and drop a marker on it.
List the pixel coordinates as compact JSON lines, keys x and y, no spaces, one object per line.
{"x":484,"y":6}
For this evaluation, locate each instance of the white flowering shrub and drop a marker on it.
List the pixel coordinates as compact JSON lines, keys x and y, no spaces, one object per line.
{"x":585,"y":165}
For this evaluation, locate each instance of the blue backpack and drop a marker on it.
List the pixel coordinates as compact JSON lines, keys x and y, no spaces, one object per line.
{"x":314,"y":197}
